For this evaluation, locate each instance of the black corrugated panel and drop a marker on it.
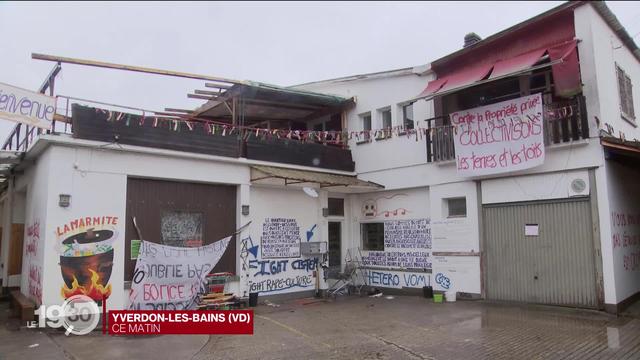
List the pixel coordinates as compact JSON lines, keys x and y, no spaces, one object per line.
{"x":93,"y":124}
{"x":297,"y":153}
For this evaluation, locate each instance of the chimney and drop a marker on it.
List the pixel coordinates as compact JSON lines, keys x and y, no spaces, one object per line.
{"x":471,"y":38}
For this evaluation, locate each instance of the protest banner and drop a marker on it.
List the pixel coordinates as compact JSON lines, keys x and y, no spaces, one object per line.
{"x":502,"y":137}
{"x":26,"y":106}
{"x":172,"y":278}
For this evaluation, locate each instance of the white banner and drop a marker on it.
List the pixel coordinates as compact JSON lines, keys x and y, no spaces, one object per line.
{"x":498,"y":138}
{"x":172,"y":278}
{"x":26,"y":106}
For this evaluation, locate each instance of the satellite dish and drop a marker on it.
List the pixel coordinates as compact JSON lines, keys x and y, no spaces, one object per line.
{"x":310,"y":191}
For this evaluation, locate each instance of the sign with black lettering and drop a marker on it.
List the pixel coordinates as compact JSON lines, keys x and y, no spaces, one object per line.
{"x":280,"y":238}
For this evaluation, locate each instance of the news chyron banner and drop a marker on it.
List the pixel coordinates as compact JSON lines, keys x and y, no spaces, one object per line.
{"x":166,"y":322}
{"x":498,"y":138}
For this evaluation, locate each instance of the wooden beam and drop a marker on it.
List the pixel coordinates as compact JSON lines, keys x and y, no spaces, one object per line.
{"x":178,"y":110}
{"x":205,"y":92}
{"x":203,"y":97}
{"x":107,"y":65}
{"x":217,"y":86}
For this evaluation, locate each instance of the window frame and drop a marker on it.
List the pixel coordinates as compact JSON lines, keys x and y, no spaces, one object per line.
{"x":453,"y":216}
{"x":366,"y":135}
{"x":403,"y":106}
{"x":625,"y":96}
{"x":364,"y":239}
{"x":385,"y":130}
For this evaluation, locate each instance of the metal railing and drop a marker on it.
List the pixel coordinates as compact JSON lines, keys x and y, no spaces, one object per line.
{"x":564,"y":121}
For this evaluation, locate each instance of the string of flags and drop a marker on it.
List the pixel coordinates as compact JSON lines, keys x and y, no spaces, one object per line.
{"x":327,"y":136}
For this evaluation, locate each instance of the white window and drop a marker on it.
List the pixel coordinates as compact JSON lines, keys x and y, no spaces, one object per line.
{"x":385,"y":123}
{"x":625,"y":92}
{"x":456,"y":207}
{"x":407,"y":116}
{"x":365,"y":119}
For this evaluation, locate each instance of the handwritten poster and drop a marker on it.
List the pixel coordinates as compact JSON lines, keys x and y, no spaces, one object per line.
{"x":497,"y":138}
{"x":280,"y":238}
{"x":407,"y":245}
{"x":26,"y":106}
{"x":172,"y":278}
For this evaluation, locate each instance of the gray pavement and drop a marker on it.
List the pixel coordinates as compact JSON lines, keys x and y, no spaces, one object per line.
{"x":404,"y":327}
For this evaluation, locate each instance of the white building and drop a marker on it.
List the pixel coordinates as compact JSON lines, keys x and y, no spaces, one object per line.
{"x":581,"y":201}
{"x":565,"y":232}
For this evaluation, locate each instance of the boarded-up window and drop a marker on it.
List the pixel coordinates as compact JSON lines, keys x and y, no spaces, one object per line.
{"x":336,"y":207}
{"x":181,"y":228}
{"x":626,"y":95}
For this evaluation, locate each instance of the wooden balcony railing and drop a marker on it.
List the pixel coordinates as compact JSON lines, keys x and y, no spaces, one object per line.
{"x":564,"y":122}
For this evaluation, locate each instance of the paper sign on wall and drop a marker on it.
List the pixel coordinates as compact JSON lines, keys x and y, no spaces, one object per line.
{"x":531,"y":230}
{"x":498,"y":138}
{"x":26,"y":106}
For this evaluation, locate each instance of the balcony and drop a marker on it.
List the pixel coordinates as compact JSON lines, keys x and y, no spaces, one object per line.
{"x":253,"y":121}
{"x":564,"y":122}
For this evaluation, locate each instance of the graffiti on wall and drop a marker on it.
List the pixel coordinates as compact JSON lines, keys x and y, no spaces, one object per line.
{"x":380,"y":206}
{"x":34,"y":280}
{"x":85,"y":246}
{"x":443,"y":280}
{"x":33,"y":238}
{"x":626,"y":238}
{"x":280,"y":238}
{"x":395,"y":279}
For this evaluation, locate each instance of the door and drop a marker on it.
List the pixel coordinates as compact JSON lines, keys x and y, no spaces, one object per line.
{"x":335,"y":245}
{"x":540,"y":252}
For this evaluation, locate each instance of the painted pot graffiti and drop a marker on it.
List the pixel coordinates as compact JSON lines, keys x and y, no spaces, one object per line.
{"x":86,"y":263}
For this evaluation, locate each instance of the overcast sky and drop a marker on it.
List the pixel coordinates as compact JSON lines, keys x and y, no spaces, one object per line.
{"x":282,"y":43}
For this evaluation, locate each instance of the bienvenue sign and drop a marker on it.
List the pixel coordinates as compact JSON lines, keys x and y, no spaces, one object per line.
{"x":26,"y":106}
{"x":498,"y":138}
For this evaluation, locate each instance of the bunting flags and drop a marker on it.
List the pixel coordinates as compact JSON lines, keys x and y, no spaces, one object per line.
{"x":325,"y":136}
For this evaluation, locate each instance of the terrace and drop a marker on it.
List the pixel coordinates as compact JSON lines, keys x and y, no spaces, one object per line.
{"x":239,"y":119}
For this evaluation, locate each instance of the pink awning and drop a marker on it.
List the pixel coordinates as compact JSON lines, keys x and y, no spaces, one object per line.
{"x":432,"y":87}
{"x":458,"y":79}
{"x":466,"y":77}
{"x":517,"y":63}
{"x":566,"y":74}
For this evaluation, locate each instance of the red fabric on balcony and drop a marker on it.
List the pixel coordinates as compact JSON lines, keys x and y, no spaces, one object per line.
{"x":466,"y":76}
{"x":432,"y":87}
{"x":517,"y":63}
{"x":566,"y":74}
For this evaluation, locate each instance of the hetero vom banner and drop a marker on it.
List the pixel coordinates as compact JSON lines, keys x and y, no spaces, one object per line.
{"x":502,"y":137}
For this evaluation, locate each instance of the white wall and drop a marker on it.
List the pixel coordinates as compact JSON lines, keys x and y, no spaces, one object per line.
{"x":600,"y":49}
{"x":533,"y":187}
{"x":96,"y":179}
{"x":624,"y":219}
{"x":270,"y":275}
{"x":373,"y":94}
{"x":36,"y":184}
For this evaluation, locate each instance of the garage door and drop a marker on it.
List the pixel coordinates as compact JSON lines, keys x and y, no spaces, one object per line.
{"x":556,"y":266}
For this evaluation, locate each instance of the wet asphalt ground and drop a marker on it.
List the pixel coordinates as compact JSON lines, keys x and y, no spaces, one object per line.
{"x":405,"y":327}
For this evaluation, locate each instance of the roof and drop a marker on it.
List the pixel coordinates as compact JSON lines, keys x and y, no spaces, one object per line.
{"x":413,"y":70}
{"x":599,"y":6}
{"x":323,"y":179}
{"x":262,"y":101}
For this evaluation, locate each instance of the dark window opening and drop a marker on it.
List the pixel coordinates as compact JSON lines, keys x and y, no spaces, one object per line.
{"x":336,"y":207}
{"x":372,"y":236}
